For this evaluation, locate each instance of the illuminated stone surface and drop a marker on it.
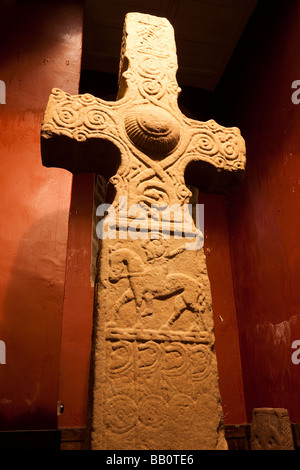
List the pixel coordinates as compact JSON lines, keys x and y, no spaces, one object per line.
{"x":271,"y":429}
{"x":154,"y":378}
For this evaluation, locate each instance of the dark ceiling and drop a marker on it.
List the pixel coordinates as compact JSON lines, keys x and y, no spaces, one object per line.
{"x":206,"y":33}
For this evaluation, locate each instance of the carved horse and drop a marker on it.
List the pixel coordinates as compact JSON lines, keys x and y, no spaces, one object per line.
{"x":152,"y":281}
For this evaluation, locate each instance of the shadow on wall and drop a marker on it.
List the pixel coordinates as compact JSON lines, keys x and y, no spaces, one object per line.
{"x":31,"y":327}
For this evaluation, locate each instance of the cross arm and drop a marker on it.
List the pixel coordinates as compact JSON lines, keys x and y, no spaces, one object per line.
{"x":215,"y":157}
{"x":79,"y":133}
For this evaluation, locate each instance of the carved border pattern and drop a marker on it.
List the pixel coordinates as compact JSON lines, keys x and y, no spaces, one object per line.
{"x":165,"y":365}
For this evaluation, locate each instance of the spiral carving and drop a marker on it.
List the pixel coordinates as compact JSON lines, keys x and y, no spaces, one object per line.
{"x":65,"y":116}
{"x":96,"y":119}
{"x":230,"y":147}
{"x":79,"y":116}
{"x":120,"y":413}
{"x":152,"y":88}
{"x":86,"y":99}
{"x":152,"y":411}
{"x":206,"y":142}
{"x":59,"y":95}
{"x":201,"y":361}
{"x":225,"y":148}
{"x":80,"y":135}
{"x":150,"y":67}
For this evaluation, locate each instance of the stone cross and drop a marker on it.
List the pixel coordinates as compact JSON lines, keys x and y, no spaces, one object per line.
{"x":271,"y":429}
{"x":154,"y":379}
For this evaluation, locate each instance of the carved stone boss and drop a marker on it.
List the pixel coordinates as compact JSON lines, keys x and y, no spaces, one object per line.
{"x":154,"y":379}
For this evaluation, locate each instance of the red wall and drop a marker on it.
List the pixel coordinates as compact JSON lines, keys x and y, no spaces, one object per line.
{"x":78,"y":307}
{"x":40,"y":49}
{"x":264,"y":223}
{"x":217,"y":251}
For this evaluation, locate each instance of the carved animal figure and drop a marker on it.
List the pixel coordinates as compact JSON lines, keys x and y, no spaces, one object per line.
{"x":149,"y":282}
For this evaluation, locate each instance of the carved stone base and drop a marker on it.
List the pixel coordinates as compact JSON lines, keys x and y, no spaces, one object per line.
{"x":155,"y":379}
{"x":271,"y":429}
